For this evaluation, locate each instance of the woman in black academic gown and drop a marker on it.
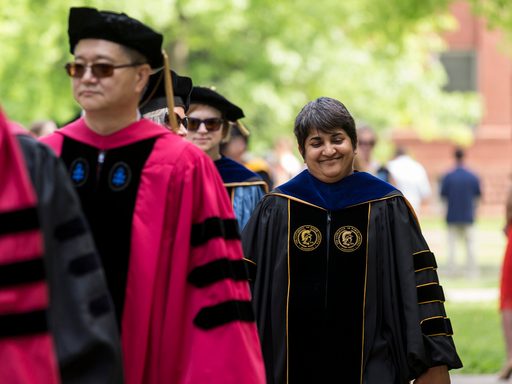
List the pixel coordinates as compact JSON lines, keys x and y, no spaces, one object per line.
{"x":346,"y":288}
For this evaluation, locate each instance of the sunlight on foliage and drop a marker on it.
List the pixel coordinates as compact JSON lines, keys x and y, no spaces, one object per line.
{"x":379,"y":57}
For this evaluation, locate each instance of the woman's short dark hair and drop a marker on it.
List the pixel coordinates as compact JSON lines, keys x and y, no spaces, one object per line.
{"x":326,"y":115}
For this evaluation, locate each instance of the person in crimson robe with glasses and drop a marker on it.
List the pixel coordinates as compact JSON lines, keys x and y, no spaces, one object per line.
{"x":159,"y":214}
{"x":208,"y":125}
{"x":346,"y":288}
{"x":57,"y":323}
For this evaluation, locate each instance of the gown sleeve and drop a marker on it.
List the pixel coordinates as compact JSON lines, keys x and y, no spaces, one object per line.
{"x":209,"y":318}
{"x":413,"y":297}
{"x":81,"y":316}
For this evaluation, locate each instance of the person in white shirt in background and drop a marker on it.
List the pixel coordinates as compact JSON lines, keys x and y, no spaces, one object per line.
{"x":410,"y":177}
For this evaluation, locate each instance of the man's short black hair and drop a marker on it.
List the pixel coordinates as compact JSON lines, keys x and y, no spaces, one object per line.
{"x":459,"y":153}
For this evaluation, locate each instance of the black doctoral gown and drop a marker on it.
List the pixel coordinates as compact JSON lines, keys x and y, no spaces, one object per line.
{"x":346,"y":288}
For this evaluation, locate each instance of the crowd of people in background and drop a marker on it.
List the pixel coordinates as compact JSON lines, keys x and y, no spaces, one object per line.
{"x":149,"y":245}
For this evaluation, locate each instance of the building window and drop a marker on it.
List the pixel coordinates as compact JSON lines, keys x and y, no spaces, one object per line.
{"x":461,"y":69}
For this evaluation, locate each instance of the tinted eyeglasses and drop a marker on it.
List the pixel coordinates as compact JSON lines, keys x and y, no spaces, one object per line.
{"x":369,"y":143}
{"x":179,"y":120}
{"x":99,"y":70}
{"x":213,"y":124}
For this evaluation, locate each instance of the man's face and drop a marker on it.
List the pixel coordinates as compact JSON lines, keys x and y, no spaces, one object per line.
{"x":117,"y":92}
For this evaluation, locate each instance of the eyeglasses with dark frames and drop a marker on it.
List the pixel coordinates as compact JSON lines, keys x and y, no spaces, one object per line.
{"x":179,"y":120}
{"x":212,"y":124}
{"x":99,"y":70}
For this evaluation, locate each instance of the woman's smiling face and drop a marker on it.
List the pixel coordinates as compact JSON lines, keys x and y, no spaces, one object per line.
{"x":329,"y":156}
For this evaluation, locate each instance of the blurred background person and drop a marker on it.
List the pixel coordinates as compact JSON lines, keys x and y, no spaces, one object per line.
{"x":460,"y":191}
{"x":506,"y":287}
{"x":42,"y":128}
{"x":410,"y":177}
{"x":366,"y":142}
{"x":284,"y":163}
{"x":236,"y":148}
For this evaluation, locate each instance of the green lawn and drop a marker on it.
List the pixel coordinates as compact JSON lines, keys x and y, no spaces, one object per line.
{"x":489,"y":242}
{"x":478,"y":336}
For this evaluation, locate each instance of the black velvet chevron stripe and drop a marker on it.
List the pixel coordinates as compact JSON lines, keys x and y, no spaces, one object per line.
{"x":22,"y":272}
{"x":100,"y":306}
{"x":223,"y":313}
{"x":84,"y":264}
{"x":70,"y":229}
{"x":428,"y":293}
{"x":19,"y":221}
{"x":214,"y":227}
{"x":218,"y":270}
{"x":437,"y":326}
{"x":424,"y":260}
{"x":23,"y":324}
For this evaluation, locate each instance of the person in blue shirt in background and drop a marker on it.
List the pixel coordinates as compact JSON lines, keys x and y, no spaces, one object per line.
{"x":460,"y":189}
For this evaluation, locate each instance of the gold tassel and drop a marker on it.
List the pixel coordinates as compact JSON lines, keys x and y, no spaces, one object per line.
{"x":169,"y":94}
{"x":243,"y":129}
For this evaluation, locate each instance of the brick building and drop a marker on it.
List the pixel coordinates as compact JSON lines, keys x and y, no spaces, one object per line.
{"x":476,"y":61}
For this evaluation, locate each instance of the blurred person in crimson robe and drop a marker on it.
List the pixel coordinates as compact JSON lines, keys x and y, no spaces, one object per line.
{"x":506,"y":286}
{"x":57,"y":323}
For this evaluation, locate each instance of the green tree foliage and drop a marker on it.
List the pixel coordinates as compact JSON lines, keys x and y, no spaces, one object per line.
{"x":377,"y":56}
{"x":497,"y":12}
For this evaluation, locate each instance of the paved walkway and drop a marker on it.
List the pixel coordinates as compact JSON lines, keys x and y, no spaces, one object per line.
{"x":477,"y":379}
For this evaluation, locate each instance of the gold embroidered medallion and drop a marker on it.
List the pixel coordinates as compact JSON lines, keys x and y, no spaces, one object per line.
{"x":307,"y":238}
{"x":348,"y":238}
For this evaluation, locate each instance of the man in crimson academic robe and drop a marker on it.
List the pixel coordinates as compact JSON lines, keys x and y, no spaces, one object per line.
{"x":159,"y":214}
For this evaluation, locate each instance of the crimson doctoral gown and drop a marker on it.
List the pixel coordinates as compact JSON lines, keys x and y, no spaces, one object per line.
{"x":170,"y":247}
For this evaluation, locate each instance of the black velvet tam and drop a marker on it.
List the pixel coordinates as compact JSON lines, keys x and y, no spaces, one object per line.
{"x":89,"y":23}
{"x":154,"y":97}
{"x":207,"y":96}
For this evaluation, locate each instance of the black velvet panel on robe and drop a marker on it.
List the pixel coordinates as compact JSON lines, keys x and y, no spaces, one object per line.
{"x":326,"y":301}
{"x":107,"y":183}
